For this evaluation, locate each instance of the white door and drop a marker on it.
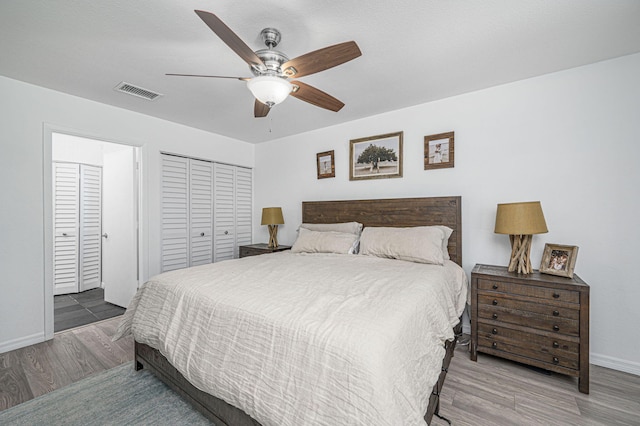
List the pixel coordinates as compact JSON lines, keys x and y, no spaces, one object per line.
{"x":224,"y":212}
{"x":90,"y":227}
{"x":244,"y":207}
{"x":120,"y":225}
{"x":201,"y":212}
{"x":175,"y":213}
{"x":65,"y":227}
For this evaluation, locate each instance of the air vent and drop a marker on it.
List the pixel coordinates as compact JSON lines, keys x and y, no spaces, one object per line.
{"x":130,"y":89}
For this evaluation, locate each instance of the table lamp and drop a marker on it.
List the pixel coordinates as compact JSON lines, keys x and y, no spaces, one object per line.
{"x":520,"y":221}
{"x":272,"y":216}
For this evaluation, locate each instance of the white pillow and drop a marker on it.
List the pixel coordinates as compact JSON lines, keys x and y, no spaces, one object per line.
{"x":445,"y":242}
{"x":348,"y":227}
{"x":421,"y":244}
{"x":324,"y":242}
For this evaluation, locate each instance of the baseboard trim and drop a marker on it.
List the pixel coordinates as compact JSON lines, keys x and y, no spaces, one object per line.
{"x":21,"y":342}
{"x":615,"y":363}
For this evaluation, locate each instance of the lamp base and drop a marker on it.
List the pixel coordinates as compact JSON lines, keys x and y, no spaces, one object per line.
{"x":520,"y":254}
{"x":273,"y":236}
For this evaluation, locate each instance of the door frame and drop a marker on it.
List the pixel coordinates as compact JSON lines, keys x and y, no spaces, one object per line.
{"x":47,"y":178}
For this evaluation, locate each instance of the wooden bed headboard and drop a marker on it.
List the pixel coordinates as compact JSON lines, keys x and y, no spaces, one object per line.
{"x":396,"y":212}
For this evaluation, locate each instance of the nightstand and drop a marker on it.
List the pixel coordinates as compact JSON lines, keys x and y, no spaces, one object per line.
{"x":536,"y":319}
{"x":256,"y":249}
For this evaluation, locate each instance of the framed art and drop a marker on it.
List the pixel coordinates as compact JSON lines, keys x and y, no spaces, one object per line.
{"x":376,"y":157}
{"x":559,"y":260}
{"x":438,"y":151}
{"x":325,"y":161}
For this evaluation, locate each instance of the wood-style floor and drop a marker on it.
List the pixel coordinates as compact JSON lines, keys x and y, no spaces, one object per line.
{"x":491,"y":391}
{"x":69,"y":357}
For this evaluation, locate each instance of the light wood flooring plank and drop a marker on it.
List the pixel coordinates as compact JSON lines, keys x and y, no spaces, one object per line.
{"x":14,"y":387}
{"x":480,"y":393}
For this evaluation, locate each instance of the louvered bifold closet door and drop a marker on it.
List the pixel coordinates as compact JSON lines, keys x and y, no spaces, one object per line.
{"x":201,"y":211}
{"x":65,"y":227}
{"x":244,"y":207}
{"x":224,"y":212}
{"x":175,"y":213}
{"x":90,"y":270}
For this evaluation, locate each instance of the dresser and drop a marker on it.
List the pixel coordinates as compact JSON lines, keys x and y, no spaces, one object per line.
{"x":536,"y":319}
{"x":256,"y":249}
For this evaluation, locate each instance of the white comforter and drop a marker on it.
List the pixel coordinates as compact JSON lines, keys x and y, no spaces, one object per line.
{"x":306,"y":339}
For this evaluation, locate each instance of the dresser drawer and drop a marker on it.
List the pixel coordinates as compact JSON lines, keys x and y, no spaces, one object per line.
{"x":246,"y":251}
{"x":536,"y":342}
{"x":530,"y":290}
{"x":500,"y":348}
{"x":551,"y":310}
{"x":542,"y":322}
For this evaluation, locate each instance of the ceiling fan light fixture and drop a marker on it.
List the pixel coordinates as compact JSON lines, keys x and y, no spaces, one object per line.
{"x":269,"y":90}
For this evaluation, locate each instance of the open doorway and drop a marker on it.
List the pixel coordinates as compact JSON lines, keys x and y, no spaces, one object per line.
{"x":95,"y":222}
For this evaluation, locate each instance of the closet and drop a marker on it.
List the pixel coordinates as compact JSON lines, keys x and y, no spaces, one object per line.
{"x":206,"y":210}
{"x":77,"y":223}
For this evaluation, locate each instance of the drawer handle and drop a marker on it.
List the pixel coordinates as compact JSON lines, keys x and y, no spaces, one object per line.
{"x":494,"y":331}
{"x":556,"y":344}
{"x":556,"y":295}
{"x":495,"y":316}
{"x":494,"y":345}
{"x":555,"y":360}
{"x":202,"y":234}
{"x":556,"y":328}
{"x":495,"y":302}
{"x":495,"y":286}
{"x":556,"y":313}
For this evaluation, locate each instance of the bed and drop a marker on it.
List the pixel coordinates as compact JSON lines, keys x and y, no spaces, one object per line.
{"x":264,"y":394}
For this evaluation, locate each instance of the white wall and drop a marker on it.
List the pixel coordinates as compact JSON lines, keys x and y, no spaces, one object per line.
{"x":569,"y":139}
{"x":27,"y":115}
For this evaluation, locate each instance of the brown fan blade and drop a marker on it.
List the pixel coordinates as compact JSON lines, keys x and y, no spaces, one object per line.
{"x":260,"y":109}
{"x":210,"y":76}
{"x":314,"y":96}
{"x":230,"y":38}
{"x":322,"y":59}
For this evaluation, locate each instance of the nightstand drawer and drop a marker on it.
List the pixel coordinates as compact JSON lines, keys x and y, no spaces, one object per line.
{"x":530,"y":319}
{"x":516,"y":303}
{"x":529,"y":290}
{"x":537,"y":342}
{"x":559,"y":358}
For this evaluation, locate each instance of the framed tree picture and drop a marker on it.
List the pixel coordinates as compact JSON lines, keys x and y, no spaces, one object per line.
{"x":376,"y":157}
{"x":438,"y":151}
{"x":326,"y":164}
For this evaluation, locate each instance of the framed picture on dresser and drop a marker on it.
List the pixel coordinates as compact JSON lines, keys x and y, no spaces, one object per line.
{"x":559,"y":260}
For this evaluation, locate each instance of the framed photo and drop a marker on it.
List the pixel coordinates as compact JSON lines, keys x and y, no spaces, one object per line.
{"x":326,"y":164}
{"x":438,"y":151}
{"x":559,"y":260}
{"x":376,"y":157}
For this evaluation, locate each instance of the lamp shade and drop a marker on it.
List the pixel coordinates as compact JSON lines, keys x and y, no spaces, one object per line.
{"x":272,"y":216}
{"x":269,"y":90}
{"x":520,"y":219}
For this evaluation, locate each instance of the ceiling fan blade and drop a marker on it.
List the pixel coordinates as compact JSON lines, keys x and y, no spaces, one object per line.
{"x":322,"y":59}
{"x":230,"y":38}
{"x":260,"y":109}
{"x":316,"y":97}
{"x":209,"y":76}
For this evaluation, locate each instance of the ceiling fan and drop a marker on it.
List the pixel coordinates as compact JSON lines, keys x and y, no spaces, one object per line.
{"x":273,"y":70}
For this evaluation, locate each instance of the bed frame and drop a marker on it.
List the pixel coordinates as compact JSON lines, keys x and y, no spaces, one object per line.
{"x":396,"y":212}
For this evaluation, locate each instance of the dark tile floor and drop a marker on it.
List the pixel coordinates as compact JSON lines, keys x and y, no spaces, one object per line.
{"x":74,"y":310}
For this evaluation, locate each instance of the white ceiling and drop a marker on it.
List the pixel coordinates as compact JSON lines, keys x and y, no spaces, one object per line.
{"x":413,"y":51}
